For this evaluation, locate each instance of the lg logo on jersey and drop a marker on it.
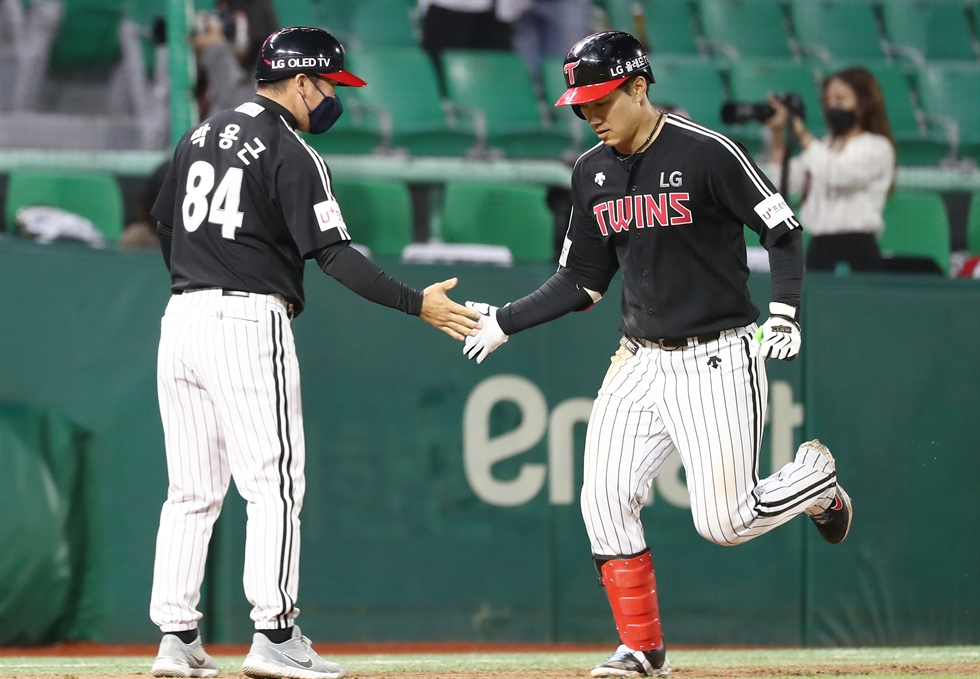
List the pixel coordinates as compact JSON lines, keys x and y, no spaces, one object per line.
{"x":666,"y":209}
{"x":481,"y":451}
{"x":675,"y":180}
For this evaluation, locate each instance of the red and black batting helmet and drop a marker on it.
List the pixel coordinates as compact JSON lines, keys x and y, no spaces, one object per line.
{"x":299,"y":49}
{"x":600,"y":63}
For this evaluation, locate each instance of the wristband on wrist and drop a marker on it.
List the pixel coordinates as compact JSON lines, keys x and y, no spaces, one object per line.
{"x":781,"y":309}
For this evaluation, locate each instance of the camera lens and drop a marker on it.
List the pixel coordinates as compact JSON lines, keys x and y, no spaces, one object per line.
{"x":736,"y":112}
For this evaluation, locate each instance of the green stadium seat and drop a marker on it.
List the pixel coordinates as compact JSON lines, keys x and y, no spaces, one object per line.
{"x":745,"y":28}
{"x":695,"y":86}
{"x":88,"y":37}
{"x":667,"y":25}
{"x":837,"y":29}
{"x":403,"y":81}
{"x":751,"y":80}
{"x":928,"y":30}
{"x":514,"y":215}
{"x":296,"y":13}
{"x":973,"y":225}
{"x":95,"y":196}
{"x":953,"y":90}
{"x":384,"y":23}
{"x":916,"y":225}
{"x":370,"y":23}
{"x":498,"y":84}
{"x":378,"y":213}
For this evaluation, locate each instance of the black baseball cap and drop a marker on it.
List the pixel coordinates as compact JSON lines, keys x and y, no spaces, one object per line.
{"x":301,"y":49}
{"x":601,"y":62}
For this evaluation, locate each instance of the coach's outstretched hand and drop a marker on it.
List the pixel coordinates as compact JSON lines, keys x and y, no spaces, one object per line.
{"x":779,"y":337}
{"x":441,"y":312}
{"x":481,"y":344}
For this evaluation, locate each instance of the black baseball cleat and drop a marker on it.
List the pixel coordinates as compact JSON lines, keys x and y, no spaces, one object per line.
{"x":626,"y":662}
{"x":834,"y":523}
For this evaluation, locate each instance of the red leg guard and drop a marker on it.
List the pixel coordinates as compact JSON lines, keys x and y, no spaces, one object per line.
{"x":632,"y":591}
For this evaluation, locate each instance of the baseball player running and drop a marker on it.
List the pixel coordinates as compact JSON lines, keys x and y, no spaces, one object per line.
{"x":245,"y":203}
{"x":664,"y":200}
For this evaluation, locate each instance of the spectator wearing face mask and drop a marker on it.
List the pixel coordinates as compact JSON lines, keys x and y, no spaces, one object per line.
{"x":845,"y":177}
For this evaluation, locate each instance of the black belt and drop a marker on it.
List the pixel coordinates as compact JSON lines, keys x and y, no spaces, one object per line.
{"x":670,"y":343}
{"x":225,"y":292}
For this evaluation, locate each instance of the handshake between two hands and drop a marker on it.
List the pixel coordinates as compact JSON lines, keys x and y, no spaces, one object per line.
{"x":779,"y":337}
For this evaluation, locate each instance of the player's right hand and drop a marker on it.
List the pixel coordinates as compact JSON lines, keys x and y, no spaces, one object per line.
{"x":441,"y":312}
{"x":490,"y":337}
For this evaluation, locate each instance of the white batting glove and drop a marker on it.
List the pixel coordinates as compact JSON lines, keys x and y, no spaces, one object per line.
{"x":489,"y":337}
{"x":779,"y":337}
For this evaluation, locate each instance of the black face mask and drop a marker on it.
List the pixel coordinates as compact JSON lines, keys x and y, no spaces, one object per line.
{"x":326,"y":113}
{"x":839,"y":120}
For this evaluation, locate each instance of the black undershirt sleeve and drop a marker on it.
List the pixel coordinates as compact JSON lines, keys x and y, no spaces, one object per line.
{"x":558,"y":296}
{"x":166,"y":234}
{"x":359,"y":274}
{"x":786,"y":266}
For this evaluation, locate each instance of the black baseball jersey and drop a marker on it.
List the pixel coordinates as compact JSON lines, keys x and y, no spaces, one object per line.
{"x":672,"y":219}
{"x":248,"y":201}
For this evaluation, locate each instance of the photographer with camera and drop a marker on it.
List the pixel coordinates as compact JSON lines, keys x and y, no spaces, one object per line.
{"x":844,"y":178}
{"x":226,"y":43}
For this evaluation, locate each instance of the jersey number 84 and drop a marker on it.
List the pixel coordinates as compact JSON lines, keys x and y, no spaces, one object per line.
{"x":223,"y":210}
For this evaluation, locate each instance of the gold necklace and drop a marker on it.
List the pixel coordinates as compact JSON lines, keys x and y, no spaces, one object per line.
{"x":643,"y":146}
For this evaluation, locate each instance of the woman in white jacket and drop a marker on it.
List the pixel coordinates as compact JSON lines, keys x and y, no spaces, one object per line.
{"x":844,"y":178}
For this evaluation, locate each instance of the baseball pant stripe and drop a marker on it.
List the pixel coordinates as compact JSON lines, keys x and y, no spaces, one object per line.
{"x":285,"y":488}
{"x":758,"y":418}
{"x":804,"y":500}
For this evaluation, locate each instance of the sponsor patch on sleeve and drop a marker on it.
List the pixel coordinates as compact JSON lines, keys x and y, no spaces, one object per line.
{"x":566,"y":246}
{"x":328,"y":216}
{"x":250,"y":108}
{"x":774,"y":210}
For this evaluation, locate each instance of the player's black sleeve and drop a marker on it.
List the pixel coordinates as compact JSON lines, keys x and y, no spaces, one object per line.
{"x":166,"y":235}
{"x":738,"y":184}
{"x":360,"y":275}
{"x":558,"y":296}
{"x":786,"y":265}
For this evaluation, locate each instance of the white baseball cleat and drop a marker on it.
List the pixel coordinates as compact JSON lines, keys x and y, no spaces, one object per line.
{"x":177,"y":659}
{"x":294,"y":658}
{"x":626,"y":662}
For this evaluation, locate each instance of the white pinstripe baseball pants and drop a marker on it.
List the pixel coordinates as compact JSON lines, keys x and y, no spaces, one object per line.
{"x":229,"y":390}
{"x":709,"y":403}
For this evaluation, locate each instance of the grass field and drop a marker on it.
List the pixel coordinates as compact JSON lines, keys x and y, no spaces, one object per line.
{"x":947,"y":661}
